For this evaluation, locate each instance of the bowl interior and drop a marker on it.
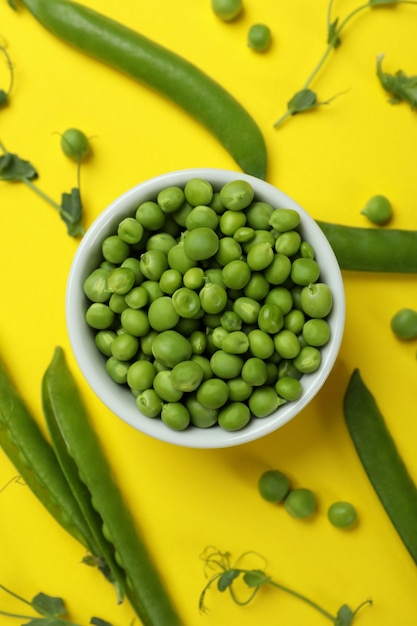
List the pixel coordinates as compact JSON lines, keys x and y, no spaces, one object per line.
{"x":92,"y":364}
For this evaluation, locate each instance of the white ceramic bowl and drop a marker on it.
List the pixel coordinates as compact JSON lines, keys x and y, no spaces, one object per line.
{"x":92,"y":364}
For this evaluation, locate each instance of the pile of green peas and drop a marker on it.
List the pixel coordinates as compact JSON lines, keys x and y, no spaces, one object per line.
{"x":208,"y":306}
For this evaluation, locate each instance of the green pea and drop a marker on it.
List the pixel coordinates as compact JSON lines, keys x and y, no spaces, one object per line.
{"x":150,"y":215}
{"x":194,"y":278}
{"x":281,"y":296}
{"x":170,"y":347}
{"x":287,"y":368}
{"x":162,"y":314}
{"x":137,"y":298}
{"x":259,"y":37}
{"x":186,"y":302}
{"x":170,"y":281}
{"x":308,"y":359}
{"x":198,"y":191}
{"x":170,"y":199}
{"x":186,"y":376}
{"x":130,"y":230}
{"x":163,"y":386}
{"x":307,"y":250}
{"x":117,"y":303}
{"x":231,"y":321}
{"x":149,"y":403}
{"x":263,"y":401}
{"x":153,"y":264}
{"x":180,"y":216}
{"x":260,"y":236}
{"x":200,"y":243}
{"x":225,"y":365}
{"x":204,"y":363}
{"x":273,"y":486}
{"x":179,"y":260}
{"x":75,"y":144}
{"x":237,"y":194}
{"x":258,"y":215}
{"x":260,"y":256}
{"x":117,"y":370}
{"x":146,"y":342}
{"x":244,"y":234}
{"x":227,"y":10}
{"x":239,"y":389}
{"x":124,"y":347}
{"x":213,"y":393}
{"x":140,"y":375}
{"x":234,"y":416}
{"x":342,"y":514}
{"x":95,"y":285}
{"x":278,"y":270}
{"x":261,"y":344}
{"x":304,"y":271}
{"x":288,"y":243}
{"x":175,"y":415}
{"x":231,"y":221}
{"x":236,"y":274}
{"x":247,"y":309}
{"x":257,"y":286}
{"x":294,"y":321}
{"x":378,"y":210}
{"x":254,"y":371}
{"x":287,"y":344}
{"x":300,"y":503}
{"x":404,"y":324}
{"x":218,"y":335}
{"x":135,"y":322}
{"x":134,"y":264}
{"x":99,"y":316}
{"x":270,"y":318}
{"x":285,"y":219}
{"x":236,"y":342}
{"x":121,"y":280}
{"x":289,"y":388}
{"x":316,"y":332}
{"x":202,"y":216}
{"x":162,"y":241}
{"x":201,"y":416}
{"x":213,"y":298}
{"x":153,"y":289}
{"x":103,"y":341}
{"x":316,"y":300}
{"x":229,"y":250}
{"x":114,"y":249}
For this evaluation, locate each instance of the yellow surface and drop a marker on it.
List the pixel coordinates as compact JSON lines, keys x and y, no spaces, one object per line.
{"x":331,"y":161}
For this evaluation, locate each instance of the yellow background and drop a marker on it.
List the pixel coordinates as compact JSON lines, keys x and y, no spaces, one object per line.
{"x":331,"y":161}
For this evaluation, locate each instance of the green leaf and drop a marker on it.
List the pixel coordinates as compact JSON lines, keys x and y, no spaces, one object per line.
{"x":302,"y":101}
{"x":12,"y":4}
{"x":333,"y":38}
{"x":399,"y":85}
{"x":227,"y":579}
{"x":345,"y":616}
{"x":48,"y":605}
{"x":97,"y":621}
{"x":3,"y":97}
{"x":13,"y":168}
{"x":375,"y":3}
{"x":72,"y":212}
{"x":255,"y":578}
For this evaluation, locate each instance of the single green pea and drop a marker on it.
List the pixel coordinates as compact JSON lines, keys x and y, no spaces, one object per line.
{"x":288,"y":243}
{"x":153,"y":264}
{"x":229,"y":250}
{"x":186,"y":376}
{"x":308,"y":359}
{"x":137,"y":298}
{"x":117,"y":370}
{"x":294,"y":321}
{"x":285,"y":219}
{"x":163,"y":386}
{"x":162,"y":314}
{"x":244,"y":234}
{"x":170,"y":199}
{"x":281,"y":296}
{"x":202,"y":216}
{"x":213,"y":393}
{"x":213,"y":298}
{"x":130,"y":230}
{"x":149,"y":403}
{"x":378,"y":210}
{"x":258,"y":215}
{"x":103,"y":340}
{"x":239,"y":389}
{"x":225,"y":365}
{"x":99,"y":316}
{"x":204,"y":363}
{"x":254,"y":371}
{"x":300,"y":503}
{"x":114,"y":249}
{"x":237,"y":194}
{"x":198,"y":191}
{"x":227,"y":10}
{"x":178,"y":259}
{"x":274,"y":486}
{"x":135,"y":322}
{"x":180,"y":216}
{"x":200,"y":243}
{"x":270,"y":318}
{"x":198,"y":341}
{"x":186,"y":302}
{"x":316,"y":300}
{"x":150,"y":215}
{"x":146,"y":342}
{"x":134,"y":264}
{"x":170,"y":348}
{"x":230,"y":321}
{"x":259,"y":37}
{"x":124,"y":347}
{"x":304,"y":271}
{"x":257,"y":287}
{"x":316,"y":332}
{"x":342,"y":514}
{"x":231,"y":221}
{"x":170,"y":280}
{"x":218,"y":335}
{"x":75,"y":144}
{"x":175,"y":415}
{"x":236,"y":274}
{"x":194,"y":278}
{"x":201,"y":416}
{"x":263,"y":401}
{"x":289,"y":388}
{"x":307,"y":251}
{"x":117,"y":303}
{"x":260,"y":256}
{"x":234,"y":416}
{"x":287,"y":344}
{"x":260,"y":236}
{"x":247,"y":309}
{"x":236,"y":342}
{"x":261,"y":344}
{"x":140,"y":375}
{"x":287,"y":368}
{"x":278,"y":270}
{"x":404,"y":323}
{"x":153,"y":289}
{"x":95,"y":285}
{"x":121,"y":280}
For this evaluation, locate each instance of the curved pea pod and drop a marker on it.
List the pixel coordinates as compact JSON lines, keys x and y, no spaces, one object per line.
{"x":33,"y":457}
{"x":141,"y":582}
{"x":159,"y":68}
{"x":381,"y":460}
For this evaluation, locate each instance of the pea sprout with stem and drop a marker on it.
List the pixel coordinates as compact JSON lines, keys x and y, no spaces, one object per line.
{"x":254,"y":579}
{"x":306,"y":99}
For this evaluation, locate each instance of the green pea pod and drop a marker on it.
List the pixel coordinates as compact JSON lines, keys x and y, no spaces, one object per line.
{"x":373,"y":249}
{"x":381,"y":460}
{"x":33,"y":457}
{"x":166,"y":72}
{"x":142,"y":585}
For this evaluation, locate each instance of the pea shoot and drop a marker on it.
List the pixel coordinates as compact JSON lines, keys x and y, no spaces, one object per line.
{"x":228,"y":573}
{"x":400,"y":86}
{"x":306,"y":99}
{"x":5,"y":93}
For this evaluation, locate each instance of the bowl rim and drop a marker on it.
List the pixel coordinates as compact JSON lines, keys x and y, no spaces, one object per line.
{"x":91,"y":362}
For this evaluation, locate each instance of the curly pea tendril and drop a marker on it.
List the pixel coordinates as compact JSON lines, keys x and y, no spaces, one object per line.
{"x":227,"y":574}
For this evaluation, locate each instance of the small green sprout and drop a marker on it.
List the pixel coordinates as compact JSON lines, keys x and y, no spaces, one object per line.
{"x":399,"y":85}
{"x":228,"y":573}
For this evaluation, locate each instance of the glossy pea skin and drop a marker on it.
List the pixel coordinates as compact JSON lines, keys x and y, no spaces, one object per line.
{"x":304,"y":271}
{"x":225,"y":365}
{"x":300,"y":503}
{"x":200,"y":243}
{"x":283,"y":220}
{"x":198,"y":191}
{"x":124,"y":347}
{"x":213,"y":298}
{"x":194,"y":278}
{"x":236,"y":195}
{"x":213,"y":393}
{"x":175,"y":415}
{"x":278,"y":270}
{"x":150,"y":215}
{"x":202,"y":216}
{"x":236,"y":342}
{"x":140,"y":375}
{"x":287,"y":344}
{"x":99,"y":316}
{"x":260,"y":256}
{"x":201,"y":416}
{"x":317,"y":300}
{"x":103,"y":340}
{"x":137,"y":298}
{"x":231,"y":221}
{"x":117,"y":370}
{"x":257,"y":286}
{"x":186,"y":302}
{"x":229,"y":250}
{"x":263,"y":401}
{"x":259,"y":37}
{"x":135,"y":322}
{"x":162,"y":385}
{"x":239,"y":389}
{"x":261,"y":344}
{"x":114,"y":249}
{"x":130,"y":230}
{"x":308,"y":359}
{"x":120,"y":280}
{"x":289,"y":388}
{"x":404,"y":323}
{"x":95,"y":285}
{"x":234,"y":416}
{"x":170,"y":199}
{"x":153,"y":264}
{"x":170,"y":280}
{"x":378,"y":210}
{"x":254,"y":371}
{"x":274,"y":486}
{"x":295,"y":321}
{"x":186,"y":376}
{"x":316,"y":332}
{"x":258,"y":215}
{"x":162,"y":314}
{"x":170,"y":348}
{"x":149,"y":403}
{"x":247,"y":309}
{"x":227,"y":10}
{"x":342,"y":514}
{"x":75,"y":144}
{"x":288,"y":243}
{"x":270,"y":318}
{"x":236,"y":274}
